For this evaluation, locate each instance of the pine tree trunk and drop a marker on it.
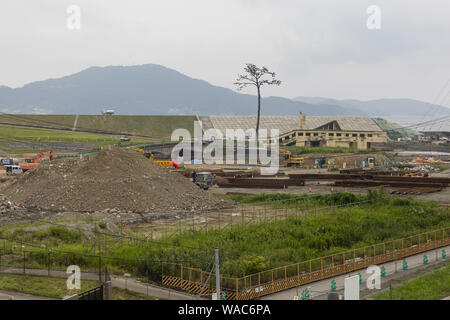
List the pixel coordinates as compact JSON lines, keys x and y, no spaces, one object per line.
{"x":258,"y":117}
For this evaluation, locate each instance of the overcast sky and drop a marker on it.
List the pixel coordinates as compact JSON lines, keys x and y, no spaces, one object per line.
{"x":316,"y":47}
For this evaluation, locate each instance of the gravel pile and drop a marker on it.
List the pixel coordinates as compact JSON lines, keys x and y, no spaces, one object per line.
{"x":6,"y":205}
{"x":118,"y":180}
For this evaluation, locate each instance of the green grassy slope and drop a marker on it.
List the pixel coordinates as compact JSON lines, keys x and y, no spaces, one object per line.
{"x":155,"y":126}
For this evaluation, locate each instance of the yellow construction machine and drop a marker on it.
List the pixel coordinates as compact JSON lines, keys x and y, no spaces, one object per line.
{"x":286,"y":159}
{"x":162,"y":163}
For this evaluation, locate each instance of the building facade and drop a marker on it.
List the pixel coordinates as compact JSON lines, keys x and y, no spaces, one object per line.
{"x":347,"y":132}
{"x":308,"y":131}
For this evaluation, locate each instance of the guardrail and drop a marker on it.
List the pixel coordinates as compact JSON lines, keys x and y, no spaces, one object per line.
{"x":200,"y":282}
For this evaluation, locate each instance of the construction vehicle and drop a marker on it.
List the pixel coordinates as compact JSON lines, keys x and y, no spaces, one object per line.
{"x":290,"y":161}
{"x":370,"y":162}
{"x":203,"y":179}
{"x":162,"y":163}
{"x":319,"y":162}
{"x":33,"y":163}
{"x":424,"y":160}
{"x":146,"y":154}
{"x":12,"y":170}
{"x":9,"y":161}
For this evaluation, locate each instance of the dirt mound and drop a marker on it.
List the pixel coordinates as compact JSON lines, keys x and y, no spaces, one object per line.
{"x":118,"y":179}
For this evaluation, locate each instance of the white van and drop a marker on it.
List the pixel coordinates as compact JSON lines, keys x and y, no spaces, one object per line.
{"x":13,"y":170}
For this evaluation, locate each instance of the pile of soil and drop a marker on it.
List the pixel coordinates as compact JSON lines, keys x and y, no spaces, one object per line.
{"x":6,"y":205}
{"x":117,"y":179}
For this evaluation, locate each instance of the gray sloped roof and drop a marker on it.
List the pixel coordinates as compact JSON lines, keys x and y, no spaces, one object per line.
{"x":287,"y":123}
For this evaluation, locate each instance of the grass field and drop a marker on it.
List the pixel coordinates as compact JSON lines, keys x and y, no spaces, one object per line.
{"x":20,"y":140}
{"x":431,"y":286}
{"x":259,"y":246}
{"x":157,"y":127}
{"x":53,"y":287}
{"x":41,"y":286}
{"x":37,"y":135}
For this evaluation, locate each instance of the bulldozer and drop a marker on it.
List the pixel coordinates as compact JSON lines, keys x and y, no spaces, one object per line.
{"x":162,"y":163}
{"x":286,"y":159}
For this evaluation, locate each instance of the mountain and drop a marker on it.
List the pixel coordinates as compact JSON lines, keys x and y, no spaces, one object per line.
{"x":146,"y":89}
{"x":153,"y":89}
{"x":390,"y":108}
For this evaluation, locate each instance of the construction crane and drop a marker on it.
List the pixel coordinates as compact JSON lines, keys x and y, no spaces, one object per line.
{"x":162,"y":163}
{"x":33,"y":163}
{"x":290,"y":161}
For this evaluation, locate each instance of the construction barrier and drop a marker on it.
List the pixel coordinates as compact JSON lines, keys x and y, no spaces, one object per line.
{"x":197,"y":281}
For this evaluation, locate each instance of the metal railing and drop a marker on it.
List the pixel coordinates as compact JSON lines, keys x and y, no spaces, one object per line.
{"x":289,"y":276}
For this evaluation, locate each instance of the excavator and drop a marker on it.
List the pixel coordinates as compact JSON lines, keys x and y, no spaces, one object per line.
{"x":162,"y":163}
{"x":290,"y":161}
{"x":33,"y":163}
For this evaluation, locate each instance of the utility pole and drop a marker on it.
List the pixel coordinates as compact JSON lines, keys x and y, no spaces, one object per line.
{"x":217,"y":274}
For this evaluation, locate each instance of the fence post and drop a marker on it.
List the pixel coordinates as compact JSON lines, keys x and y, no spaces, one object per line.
{"x":24,"y":256}
{"x":259,"y":280}
{"x":48,"y":263}
{"x":231,"y":225}
{"x":100,"y":269}
{"x":237,"y":289}
{"x":151,"y":229}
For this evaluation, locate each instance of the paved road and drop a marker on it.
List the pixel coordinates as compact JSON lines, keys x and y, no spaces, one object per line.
{"x":394,"y":270}
{"x":119,"y":282}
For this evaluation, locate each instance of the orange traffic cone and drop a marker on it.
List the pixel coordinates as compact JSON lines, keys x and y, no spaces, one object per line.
{"x":310,"y":189}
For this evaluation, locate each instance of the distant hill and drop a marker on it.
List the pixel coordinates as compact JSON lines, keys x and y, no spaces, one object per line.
{"x":156,"y":90}
{"x":384,"y":107}
{"x":146,"y":89}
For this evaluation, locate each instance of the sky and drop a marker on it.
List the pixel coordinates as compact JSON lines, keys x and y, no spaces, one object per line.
{"x":316,"y":47}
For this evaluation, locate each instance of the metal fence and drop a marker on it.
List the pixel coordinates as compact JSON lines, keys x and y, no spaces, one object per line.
{"x":270,"y":281}
{"x":241,"y":215}
{"x":91,"y":294}
{"x":160,"y":231}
